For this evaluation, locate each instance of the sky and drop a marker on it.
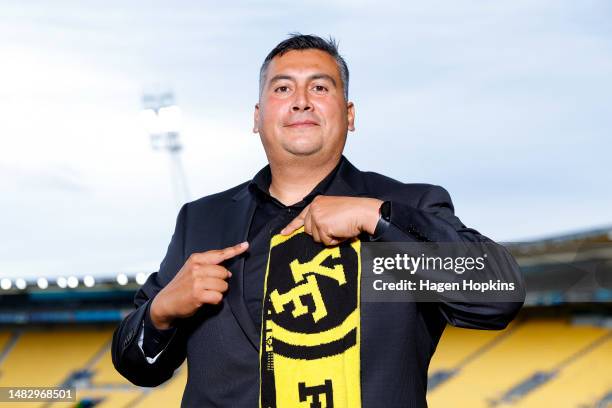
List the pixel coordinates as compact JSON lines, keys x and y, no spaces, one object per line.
{"x":505,"y":104}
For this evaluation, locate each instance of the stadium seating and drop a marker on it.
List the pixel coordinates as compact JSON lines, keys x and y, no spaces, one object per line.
{"x":533,"y":363}
{"x":42,"y":358}
{"x":515,"y":368}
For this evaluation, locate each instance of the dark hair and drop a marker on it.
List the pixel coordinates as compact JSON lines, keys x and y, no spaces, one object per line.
{"x":297,"y":41}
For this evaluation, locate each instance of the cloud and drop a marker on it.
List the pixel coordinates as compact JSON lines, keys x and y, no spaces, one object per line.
{"x":503,"y":103}
{"x":41,"y":179}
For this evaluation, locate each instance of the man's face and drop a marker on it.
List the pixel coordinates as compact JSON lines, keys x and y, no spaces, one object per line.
{"x":302,"y":110}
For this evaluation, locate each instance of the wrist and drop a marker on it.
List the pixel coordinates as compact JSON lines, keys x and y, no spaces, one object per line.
{"x":160,"y":320}
{"x":371,"y":215}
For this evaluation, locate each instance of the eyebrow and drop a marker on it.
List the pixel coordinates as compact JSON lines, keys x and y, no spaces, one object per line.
{"x":310,"y":78}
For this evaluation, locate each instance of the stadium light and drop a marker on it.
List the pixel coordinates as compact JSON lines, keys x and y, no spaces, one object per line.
{"x":170,"y":119}
{"x":160,"y":121}
{"x":21,"y":283}
{"x":5,"y":283}
{"x":73,"y":282}
{"x":141,"y":278}
{"x":42,"y":283}
{"x":122,"y":279}
{"x":161,"y":118}
{"x":62,"y":282}
{"x":89,"y":281}
{"x":150,"y":121}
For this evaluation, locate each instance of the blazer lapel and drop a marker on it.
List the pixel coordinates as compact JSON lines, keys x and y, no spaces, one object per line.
{"x":240,"y":213}
{"x":348,"y":181}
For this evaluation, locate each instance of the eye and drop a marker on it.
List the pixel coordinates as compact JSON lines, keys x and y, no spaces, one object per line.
{"x":281,"y":89}
{"x":320,"y":88}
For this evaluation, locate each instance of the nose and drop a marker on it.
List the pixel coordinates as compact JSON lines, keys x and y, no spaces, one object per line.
{"x":301,"y":101}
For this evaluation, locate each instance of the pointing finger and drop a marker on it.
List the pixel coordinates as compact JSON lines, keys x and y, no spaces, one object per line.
{"x":296,"y":223}
{"x":219,"y":255}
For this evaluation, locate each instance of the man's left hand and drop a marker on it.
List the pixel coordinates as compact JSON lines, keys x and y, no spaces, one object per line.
{"x":333,"y":219}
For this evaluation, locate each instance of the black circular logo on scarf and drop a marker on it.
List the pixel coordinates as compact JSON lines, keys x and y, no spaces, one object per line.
{"x":310,"y":309}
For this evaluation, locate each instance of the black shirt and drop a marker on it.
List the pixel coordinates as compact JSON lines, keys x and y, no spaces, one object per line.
{"x":270,"y":217}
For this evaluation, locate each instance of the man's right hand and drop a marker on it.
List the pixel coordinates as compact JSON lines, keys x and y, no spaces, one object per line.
{"x":200,"y":281}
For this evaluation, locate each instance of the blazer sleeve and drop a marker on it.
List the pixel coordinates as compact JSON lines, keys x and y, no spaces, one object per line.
{"x":128,"y":358}
{"x":434,"y":220}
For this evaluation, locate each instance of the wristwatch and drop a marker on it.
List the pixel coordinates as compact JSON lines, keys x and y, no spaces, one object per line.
{"x":384,"y":219}
{"x":385,"y":211}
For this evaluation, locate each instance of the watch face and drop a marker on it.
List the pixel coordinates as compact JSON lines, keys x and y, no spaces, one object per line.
{"x":385,"y":210}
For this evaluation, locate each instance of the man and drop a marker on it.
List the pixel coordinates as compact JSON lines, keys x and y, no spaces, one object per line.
{"x":205,"y":303}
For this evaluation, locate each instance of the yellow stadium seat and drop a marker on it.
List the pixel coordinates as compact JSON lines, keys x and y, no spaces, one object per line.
{"x":581,"y":383}
{"x":537,"y":345}
{"x":47,"y":358}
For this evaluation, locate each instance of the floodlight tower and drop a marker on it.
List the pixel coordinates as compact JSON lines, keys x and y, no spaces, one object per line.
{"x":162,"y":120}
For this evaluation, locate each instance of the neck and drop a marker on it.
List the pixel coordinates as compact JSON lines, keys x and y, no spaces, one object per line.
{"x":291,"y":182}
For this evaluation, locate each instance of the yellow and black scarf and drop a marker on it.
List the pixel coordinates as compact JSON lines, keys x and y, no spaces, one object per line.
{"x":309,"y":354}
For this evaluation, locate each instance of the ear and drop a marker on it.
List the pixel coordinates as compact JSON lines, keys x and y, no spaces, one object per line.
{"x":256,"y":119}
{"x":350,"y":112}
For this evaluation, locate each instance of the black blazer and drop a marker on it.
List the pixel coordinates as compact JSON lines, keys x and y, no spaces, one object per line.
{"x":221,"y":343}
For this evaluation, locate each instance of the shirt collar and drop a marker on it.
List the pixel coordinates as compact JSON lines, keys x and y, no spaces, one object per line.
{"x":260,"y":184}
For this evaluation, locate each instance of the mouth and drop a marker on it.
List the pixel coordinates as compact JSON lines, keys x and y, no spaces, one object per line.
{"x":302,"y":124}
